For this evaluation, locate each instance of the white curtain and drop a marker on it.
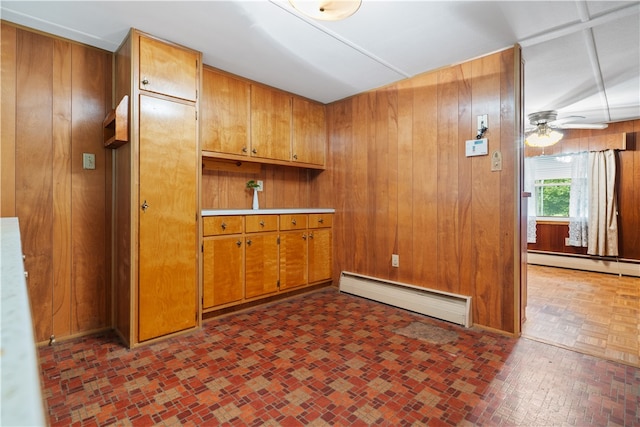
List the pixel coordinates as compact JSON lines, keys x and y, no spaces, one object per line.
{"x":603,"y":209}
{"x":579,"y":200}
{"x":529,"y":186}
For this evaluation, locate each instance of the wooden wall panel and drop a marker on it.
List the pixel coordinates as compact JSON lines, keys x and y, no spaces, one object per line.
{"x":391,"y":118}
{"x":90,"y":287}
{"x":454,"y":224}
{"x":62,"y":213}
{"x":60,"y":93}
{"x":550,"y":236}
{"x":467,"y":261}
{"x":123,"y":305}
{"x":284,"y":187}
{"x":510,"y":188}
{"x":33,"y":185}
{"x":447,"y":180}
{"x":425,"y":178}
{"x":406,"y":164}
{"x":485,"y":199}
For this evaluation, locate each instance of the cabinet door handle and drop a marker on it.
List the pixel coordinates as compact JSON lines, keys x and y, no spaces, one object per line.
{"x":293,"y":221}
{"x":239,"y":243}
{"x":321,"y":221}
{"x":311,"y":235}
{"x":224,"y":226}
{"x":145,"y":81}
{"x":261,"y":223}
{"x":304,"y":237}
{"x":249,"y":242}
{"x":295,"y":157}
{"x":144,"y":206}
{"x":244,"y":149}
{"x":254,"y":151}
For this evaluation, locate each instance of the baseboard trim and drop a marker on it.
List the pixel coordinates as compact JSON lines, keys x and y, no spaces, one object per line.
{"x":599,"y":265}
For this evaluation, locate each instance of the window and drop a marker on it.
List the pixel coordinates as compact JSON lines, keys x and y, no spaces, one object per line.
{"x":552,"y":197}
{"x":552,"y":185}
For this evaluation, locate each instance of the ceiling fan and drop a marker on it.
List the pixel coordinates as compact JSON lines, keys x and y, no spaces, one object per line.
{"x":544,"y":124}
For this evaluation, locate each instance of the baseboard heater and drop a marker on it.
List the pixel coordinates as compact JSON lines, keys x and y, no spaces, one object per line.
{"x":441,"y":305}
{"x":620,"y":267}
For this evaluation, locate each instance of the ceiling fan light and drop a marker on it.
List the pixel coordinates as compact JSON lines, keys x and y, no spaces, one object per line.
{"x":327,"y":10}
{"x":544,"y":138}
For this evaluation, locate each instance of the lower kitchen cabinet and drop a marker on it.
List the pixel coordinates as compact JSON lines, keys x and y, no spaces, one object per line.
{"x":222,"y":261}
{"x":222,"y":270}
{"x":320,"y":259}
{"x":293,"y":259}
{"x":261,"y":265}
{"x":248,"y":257}
{"x":320,"y":247}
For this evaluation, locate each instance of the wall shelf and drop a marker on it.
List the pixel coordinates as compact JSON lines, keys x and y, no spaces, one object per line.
{"x":116,"y":125}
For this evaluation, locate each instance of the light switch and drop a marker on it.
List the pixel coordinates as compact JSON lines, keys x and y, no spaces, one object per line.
{"x":395,"y":260}
{"x":88,"y":161}
{"x":259,"y":187}
{"x":483,"y":122}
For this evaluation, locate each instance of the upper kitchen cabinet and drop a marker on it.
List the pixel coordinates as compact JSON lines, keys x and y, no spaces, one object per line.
{"x":246,"y":121}
{"x":270,"y":123}
{"x":309,"y":132}
{"x":168,"y":69}
{"x":224,"y":113}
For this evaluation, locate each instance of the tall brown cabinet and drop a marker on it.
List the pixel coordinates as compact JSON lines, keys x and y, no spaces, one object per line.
{"x":157,"y":190}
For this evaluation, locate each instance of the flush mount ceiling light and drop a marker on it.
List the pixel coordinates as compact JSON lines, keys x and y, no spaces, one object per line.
{"x":543,"y":135}
{"x":327,"y":10}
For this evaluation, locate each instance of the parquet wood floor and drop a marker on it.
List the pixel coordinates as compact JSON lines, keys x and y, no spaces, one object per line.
{"x":593,"y":313}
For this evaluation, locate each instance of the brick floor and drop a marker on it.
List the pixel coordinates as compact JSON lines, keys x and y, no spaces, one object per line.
{"x":327,"y":359}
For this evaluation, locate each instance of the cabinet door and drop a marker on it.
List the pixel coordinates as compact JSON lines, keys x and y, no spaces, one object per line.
{"x":309,"y":132}
{"x":293,"y":259}
{"x":261,"y":264}
{"x":168,"y":232}
{"x":168,"y":69}
{"x":270,"y":123}
{"x":224,"y":109}
{"x":320,"y":255}
{"x":222,"y":271}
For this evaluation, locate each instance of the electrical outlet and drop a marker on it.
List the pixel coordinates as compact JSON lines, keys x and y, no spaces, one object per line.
{"x":259,"y":188}
{"x":395,"y":260}
{"x":88,"y":161}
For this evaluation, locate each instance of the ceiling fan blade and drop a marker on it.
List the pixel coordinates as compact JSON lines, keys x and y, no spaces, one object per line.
{"x":582,"y":126}
{"x":563,"y":120}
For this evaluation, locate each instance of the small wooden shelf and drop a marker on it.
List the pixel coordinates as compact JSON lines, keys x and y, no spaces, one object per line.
{"x":116,"y":125}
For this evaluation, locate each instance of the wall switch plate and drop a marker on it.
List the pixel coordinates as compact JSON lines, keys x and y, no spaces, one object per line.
{"x":259,"y":188}
{"x":483,"y":122}
{"x":88,"y":161}
{"x":395,"y":260}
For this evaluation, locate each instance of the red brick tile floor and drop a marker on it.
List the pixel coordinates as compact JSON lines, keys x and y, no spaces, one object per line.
{"x":330,"y":359}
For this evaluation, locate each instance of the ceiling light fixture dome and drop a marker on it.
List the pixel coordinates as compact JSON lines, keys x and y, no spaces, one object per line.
{"x":543,"y":135}
{"x":327,"y":10}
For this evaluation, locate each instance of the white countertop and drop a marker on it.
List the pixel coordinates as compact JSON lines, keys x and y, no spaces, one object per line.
{"x":283,"y":211}
{"x":21,"y":402}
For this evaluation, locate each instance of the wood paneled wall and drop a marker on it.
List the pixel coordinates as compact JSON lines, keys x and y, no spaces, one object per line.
{"x":550,"y":237}
{"x":55,"y":95}
{"x":628,"y":178}
{"x":400,"y":182}
{"x":284,"y":187}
